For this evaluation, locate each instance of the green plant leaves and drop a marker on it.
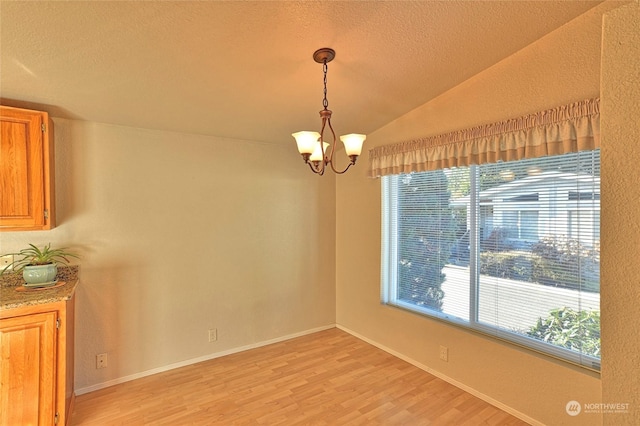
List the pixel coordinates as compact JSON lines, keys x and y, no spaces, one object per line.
{"x":36,"y":256}
{"x":575,"y":330}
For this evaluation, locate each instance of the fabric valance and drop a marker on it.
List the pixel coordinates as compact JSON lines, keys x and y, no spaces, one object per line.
{"x":569,"y":128}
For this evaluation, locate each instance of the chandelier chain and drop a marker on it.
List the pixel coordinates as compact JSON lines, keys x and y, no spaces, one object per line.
{"x":325,"y":102}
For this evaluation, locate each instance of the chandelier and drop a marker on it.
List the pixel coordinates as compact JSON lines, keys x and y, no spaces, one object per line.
{"x":311,"y":145}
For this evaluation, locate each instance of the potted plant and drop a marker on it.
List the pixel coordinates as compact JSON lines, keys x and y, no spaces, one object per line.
{"x":39,"y":266}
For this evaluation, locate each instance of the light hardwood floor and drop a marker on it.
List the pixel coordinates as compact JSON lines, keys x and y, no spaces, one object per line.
{"x":325,"y":378}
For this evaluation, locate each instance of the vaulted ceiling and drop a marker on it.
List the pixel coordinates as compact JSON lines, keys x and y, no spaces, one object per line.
{"x":244,"y":69}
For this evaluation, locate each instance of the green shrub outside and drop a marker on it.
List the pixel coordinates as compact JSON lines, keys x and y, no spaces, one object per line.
{"x":575,"y":330}
{"x":559,"y":257}
{"x":427,"y":233}
{"x":514,"y":265}
{"x":551,"y":261}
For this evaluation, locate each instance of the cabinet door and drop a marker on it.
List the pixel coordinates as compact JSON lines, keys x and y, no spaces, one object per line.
{"x":27,"y":370}
{"x":24,"y":170}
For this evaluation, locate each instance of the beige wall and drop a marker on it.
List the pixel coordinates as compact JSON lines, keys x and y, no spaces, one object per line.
{"x":620,"y":269}
{"x":181,"y":233}
{"x":560,"y":68}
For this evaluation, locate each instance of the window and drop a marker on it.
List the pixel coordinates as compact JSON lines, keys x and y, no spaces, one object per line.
{"x":521,"y":224}
{"x":510,"y":249}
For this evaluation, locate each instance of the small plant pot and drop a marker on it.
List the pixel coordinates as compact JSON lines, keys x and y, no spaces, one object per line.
{"x":38,"y":274}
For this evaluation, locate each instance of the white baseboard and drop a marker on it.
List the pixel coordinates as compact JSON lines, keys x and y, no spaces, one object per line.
{"x":128,"y":378}
{"x":447,"y":379}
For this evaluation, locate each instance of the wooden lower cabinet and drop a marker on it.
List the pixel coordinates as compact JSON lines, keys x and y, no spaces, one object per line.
{"x":36,"y":364}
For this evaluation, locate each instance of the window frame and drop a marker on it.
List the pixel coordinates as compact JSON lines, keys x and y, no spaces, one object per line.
{"x":390,"y":274}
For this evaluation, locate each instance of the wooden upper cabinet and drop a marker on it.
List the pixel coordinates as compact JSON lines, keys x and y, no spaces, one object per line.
{"x":26,"y":170}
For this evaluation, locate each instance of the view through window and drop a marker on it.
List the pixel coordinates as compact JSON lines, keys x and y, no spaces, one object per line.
{"x":511,"y":249}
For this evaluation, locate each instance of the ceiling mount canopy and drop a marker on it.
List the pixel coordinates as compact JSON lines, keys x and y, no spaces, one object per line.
{"x":326,"y":54}
{"x":311,"y":145}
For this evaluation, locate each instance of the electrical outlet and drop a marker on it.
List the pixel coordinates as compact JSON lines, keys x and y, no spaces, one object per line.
{"x":444,"y":353}
{"x":6,"y":261}
{"x":101,"y":361}
{"x":213,"y":334}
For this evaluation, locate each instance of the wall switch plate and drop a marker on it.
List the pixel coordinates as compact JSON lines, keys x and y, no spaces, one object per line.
{"x":213,"y":334}
{"x":101,"y":361}
{"x":6,"y":261}
{"x":444,"y":353}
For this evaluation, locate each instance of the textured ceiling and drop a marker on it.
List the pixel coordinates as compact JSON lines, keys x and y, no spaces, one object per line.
{"x":245,"y":69}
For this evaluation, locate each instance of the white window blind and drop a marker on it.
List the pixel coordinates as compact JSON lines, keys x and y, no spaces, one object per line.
{"x":510,"y":249}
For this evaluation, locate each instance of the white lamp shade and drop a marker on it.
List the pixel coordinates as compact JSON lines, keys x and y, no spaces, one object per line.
{"x":307,"y":141}
{"x":353,"y":143}
{"x":317,"y":153}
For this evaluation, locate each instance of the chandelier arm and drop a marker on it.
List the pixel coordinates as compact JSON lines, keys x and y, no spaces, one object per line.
{"x":321,"y":140}
{"x":314,"y":170}
{"x":333,"y":146}
{"x":338,"y":172}
{"x":333,"y":167}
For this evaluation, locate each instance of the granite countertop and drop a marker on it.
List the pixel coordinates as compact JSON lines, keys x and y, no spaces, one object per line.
{"x":14,"y":295}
